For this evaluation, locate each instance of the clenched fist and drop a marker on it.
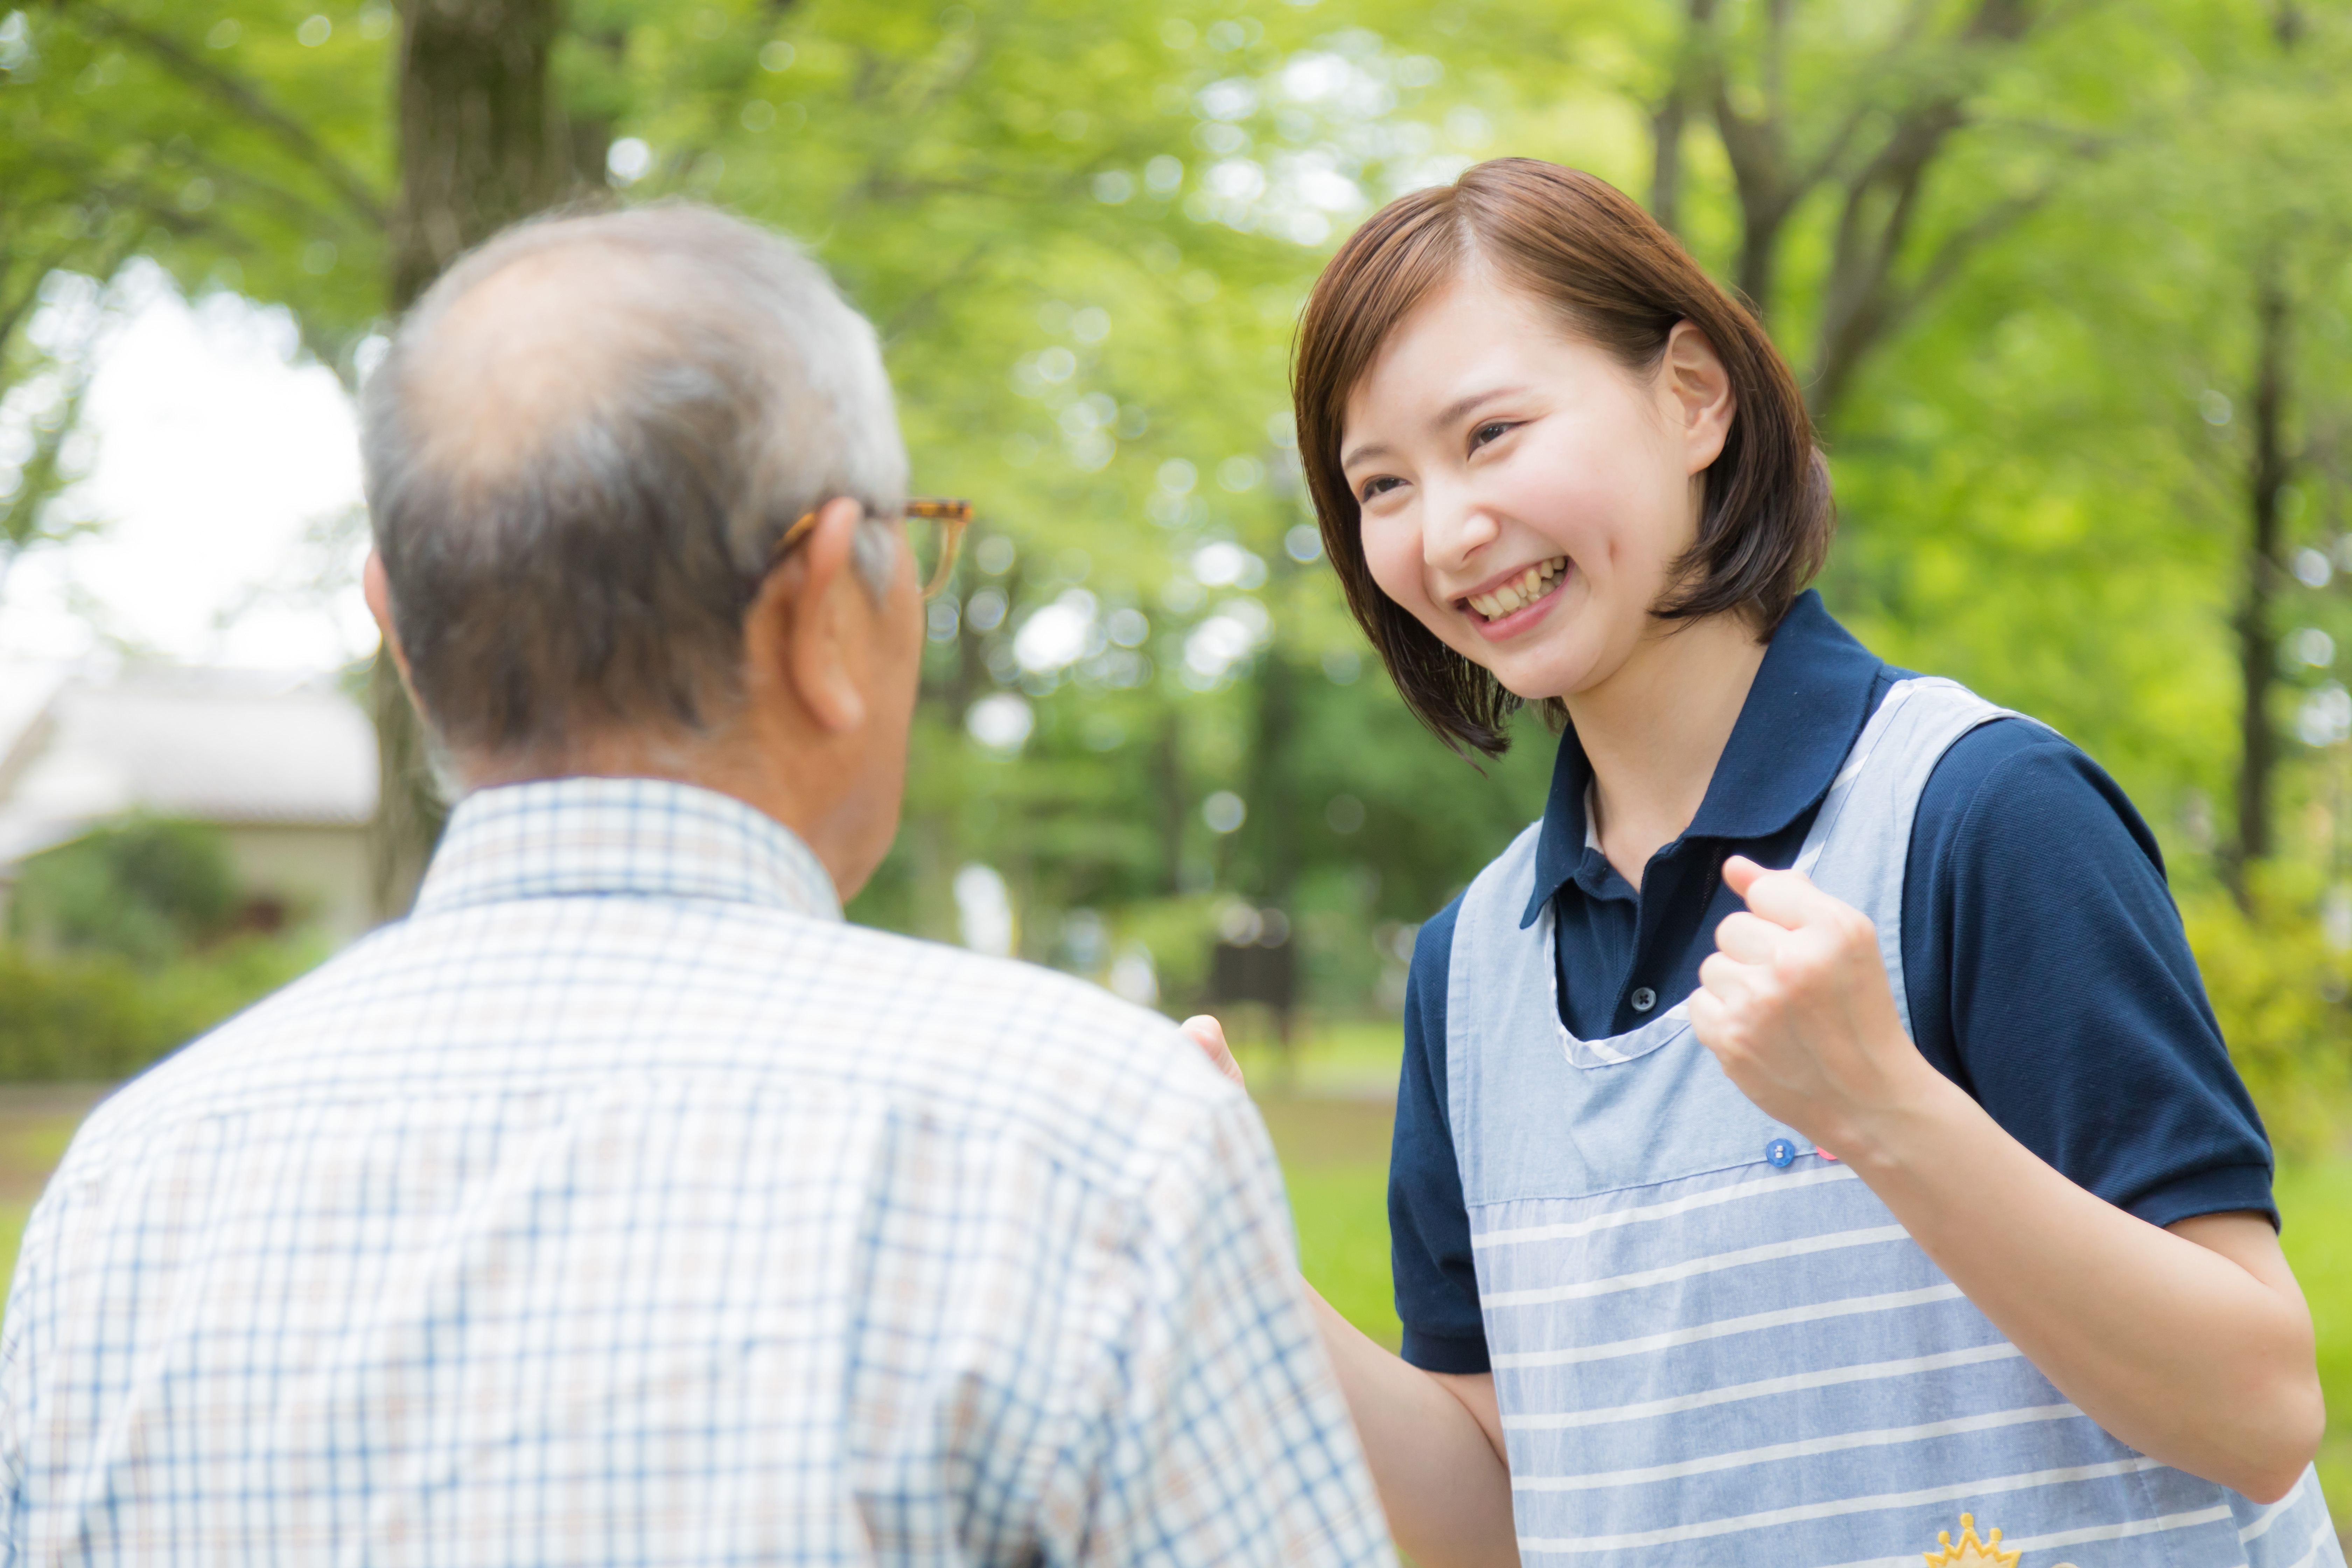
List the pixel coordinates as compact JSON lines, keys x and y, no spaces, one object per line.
{"x":1794,"y":1002}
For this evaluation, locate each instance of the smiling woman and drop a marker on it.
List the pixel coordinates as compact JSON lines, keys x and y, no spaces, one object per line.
{"x":1783,"y":900}
{"x":1588,"y":269}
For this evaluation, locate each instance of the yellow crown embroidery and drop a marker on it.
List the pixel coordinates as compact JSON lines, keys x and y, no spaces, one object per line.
{"x":1974,"y":1553}
{"x":1970,"y":1553}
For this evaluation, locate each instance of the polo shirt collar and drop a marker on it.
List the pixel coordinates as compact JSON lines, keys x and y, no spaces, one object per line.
{"x":1811,"y":696}
{"x":587,"y":838}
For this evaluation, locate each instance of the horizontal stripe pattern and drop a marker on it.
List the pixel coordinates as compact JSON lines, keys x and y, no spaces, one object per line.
{"x":1773,"y":1186}
{"x":2261,"y":1524}
{"x":1768,"y":1389}
{"x":1748,"y":1323}
{"x":1765,"y":1388}
{"x":2125,"y":1531}
{"x":1769,"y":1518}
{"x":2324,"y":1549}
{"x":1741,"y":1257}
{"x":1803,"y":1447}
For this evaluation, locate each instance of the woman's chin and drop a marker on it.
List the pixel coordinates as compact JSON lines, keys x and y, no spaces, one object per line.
{"x":1542,"y":680}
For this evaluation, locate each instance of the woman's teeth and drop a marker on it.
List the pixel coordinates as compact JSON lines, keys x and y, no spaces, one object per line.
{"x":1520,"y":591}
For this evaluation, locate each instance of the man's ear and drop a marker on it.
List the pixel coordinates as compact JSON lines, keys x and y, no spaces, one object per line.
{"x":375,"y":584}
{"x":1699,"y":393}
{"x":803,"y":637}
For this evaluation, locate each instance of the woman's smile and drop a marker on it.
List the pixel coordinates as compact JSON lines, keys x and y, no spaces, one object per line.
{"x":1507,"y":605}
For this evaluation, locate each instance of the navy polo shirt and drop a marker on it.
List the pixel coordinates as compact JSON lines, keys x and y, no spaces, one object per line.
{"x":2048,"y":974}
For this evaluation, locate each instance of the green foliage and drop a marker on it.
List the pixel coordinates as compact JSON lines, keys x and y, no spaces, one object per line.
{"x":99,"y":1017}
{"x":2280,"y":993}
{"x":2316,"y":1209}
{"x":128,"y":950}
{"x":144,"y":889}
{"x":241,"y":148}
{"x":1085,"y":231}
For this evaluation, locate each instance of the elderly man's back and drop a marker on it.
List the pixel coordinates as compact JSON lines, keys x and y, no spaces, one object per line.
{"x":624,"y":1206}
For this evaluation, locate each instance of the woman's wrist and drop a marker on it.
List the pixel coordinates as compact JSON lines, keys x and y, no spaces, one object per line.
{"x":1907,"y":1123}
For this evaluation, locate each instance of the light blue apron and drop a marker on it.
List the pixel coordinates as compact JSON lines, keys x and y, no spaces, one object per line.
{"x":1712,"y":1344}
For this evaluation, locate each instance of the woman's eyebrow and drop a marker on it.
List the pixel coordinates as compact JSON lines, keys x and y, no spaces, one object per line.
{"x":1452,"y":414}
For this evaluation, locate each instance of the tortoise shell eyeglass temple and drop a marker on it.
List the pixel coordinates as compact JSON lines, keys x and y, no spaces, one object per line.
{"x":935,"y":549}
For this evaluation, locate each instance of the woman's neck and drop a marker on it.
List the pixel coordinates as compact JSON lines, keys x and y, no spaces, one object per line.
{"x":1654,"y":730}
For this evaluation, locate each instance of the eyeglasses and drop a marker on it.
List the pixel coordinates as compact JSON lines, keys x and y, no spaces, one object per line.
{"x":934,"y":546}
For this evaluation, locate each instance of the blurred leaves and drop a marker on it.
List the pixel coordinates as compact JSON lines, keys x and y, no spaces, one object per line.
{"x":1085,"y":231}
{"x":2278,"y":990}
{"x":100,"y":1017}
{"x":148,"y":889}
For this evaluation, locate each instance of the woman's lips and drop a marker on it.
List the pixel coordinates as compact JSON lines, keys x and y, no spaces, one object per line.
{"x":1520,"y":601}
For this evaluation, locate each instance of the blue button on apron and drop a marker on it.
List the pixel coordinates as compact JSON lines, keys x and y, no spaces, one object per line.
{"x":1781,"y":1153}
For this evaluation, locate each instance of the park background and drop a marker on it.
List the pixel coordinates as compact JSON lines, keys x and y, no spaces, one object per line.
{"x":2065,"y":281}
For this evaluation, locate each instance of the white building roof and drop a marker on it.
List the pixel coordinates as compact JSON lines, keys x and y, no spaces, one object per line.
{"x":223,"y":746}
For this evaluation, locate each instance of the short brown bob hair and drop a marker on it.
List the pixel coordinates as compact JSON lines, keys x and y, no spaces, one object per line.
{"x":1579,"y":246}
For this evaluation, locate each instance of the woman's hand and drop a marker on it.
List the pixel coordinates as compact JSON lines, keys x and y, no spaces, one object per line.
{"x":1796,"y":1007}
{"x":1434,"y":1441}
{"x":1210,"y":1036}
{"x":2193,"y":1346}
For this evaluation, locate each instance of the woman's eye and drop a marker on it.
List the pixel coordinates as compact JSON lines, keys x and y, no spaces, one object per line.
{"x":1492,"y":430}
{"x":1379,"y":487}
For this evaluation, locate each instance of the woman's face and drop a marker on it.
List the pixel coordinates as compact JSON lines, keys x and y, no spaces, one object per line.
{"x":1523,"y":493}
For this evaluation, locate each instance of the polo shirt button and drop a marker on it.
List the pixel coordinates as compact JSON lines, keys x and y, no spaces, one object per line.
{"x":1781,"y":1153}
{"x":1643,"y":999}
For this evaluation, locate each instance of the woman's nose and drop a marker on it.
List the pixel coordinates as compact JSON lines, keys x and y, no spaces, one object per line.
{"x":1453,"y":528}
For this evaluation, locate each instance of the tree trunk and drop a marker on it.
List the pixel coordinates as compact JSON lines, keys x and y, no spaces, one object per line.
{"x":2266,"y":473}
{"x":482,"y":138}
{"x":1666,"y":166}
{"x":1758,"y":269}
{"x":482,"y":143}
{"x":1273,"y":785}
{"x":1175,"y":807}
{"x":1672,"y":118}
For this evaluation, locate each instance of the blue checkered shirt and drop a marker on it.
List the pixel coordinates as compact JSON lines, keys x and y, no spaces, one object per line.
{"x":624,"y":1206}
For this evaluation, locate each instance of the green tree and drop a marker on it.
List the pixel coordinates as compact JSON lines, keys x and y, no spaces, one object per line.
{"x":483,"y":141}
{"x":148,"y":889}
{"x":2013,"y":246}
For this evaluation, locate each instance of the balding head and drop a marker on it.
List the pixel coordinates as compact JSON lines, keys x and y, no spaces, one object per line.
{"x":581,"y":451}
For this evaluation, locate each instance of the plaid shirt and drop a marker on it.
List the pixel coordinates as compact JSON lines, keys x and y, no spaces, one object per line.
{"x":624,"y":1206}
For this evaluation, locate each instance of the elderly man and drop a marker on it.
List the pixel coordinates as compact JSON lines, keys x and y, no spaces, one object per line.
{"x":624,"y":1205}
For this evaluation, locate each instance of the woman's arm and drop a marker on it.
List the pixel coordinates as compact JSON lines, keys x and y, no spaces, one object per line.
{"x":2191,"y":1344}
{"x":1433,"y":1440}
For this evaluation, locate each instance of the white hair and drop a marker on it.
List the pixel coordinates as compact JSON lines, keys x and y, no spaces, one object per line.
{"x":582,"y":450}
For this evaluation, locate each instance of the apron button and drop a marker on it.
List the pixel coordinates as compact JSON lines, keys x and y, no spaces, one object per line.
{"x":1781,"y":1153}
{"x":1643,"y":999}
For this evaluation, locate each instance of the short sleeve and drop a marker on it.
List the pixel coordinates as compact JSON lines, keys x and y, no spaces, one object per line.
{"x":2050,"y":977}
{"x":1429,"y":1224}
{"x":1219,"y":1432}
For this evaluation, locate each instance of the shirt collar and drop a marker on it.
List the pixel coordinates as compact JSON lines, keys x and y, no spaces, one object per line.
{"x":1811,"y":696}
{"x":631,"y":837}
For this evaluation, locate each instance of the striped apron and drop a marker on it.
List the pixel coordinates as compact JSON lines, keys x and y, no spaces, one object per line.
{"x":1712,"y":1344}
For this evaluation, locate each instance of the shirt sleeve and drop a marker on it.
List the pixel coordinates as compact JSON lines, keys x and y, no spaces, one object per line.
{"x":1429,"y":1224}
{"x":1224,"y":1436}
{"x":26,"y":1346}
{"x":2050,"y":977}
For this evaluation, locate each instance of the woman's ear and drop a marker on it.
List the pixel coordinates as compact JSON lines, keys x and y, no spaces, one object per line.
{"x":1696,"y":390}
